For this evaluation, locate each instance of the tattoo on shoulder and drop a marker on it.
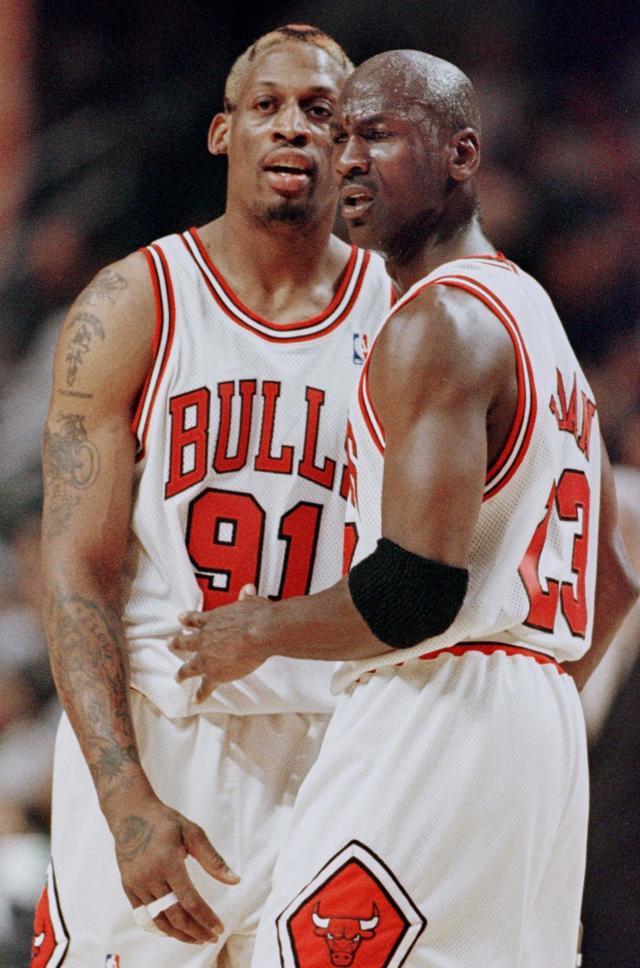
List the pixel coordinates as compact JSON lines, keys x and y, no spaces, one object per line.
{"x":85,"y":326}
{"x":104,"y":288}
{"x":71,"y":463}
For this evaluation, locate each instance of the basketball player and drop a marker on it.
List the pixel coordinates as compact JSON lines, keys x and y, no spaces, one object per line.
{"x":444,"y":821}
{"x":194,"y":444}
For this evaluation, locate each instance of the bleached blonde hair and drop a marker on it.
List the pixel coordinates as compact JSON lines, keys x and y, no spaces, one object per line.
{"x":301,"y":33}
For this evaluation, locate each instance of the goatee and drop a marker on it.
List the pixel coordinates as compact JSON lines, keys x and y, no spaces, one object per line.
{"x":288,"y":213}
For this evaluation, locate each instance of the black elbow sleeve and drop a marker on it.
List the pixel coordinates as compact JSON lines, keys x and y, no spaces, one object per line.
{"x":405,"y":598}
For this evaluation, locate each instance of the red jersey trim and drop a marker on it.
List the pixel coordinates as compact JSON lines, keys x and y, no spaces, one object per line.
{"x":306,"y":329}
{"x":517,"y":443}
{"x":489,"y":648}
{"x":162,"y":342}
{"x":499,"y":259}
{"x":157,"y":330}
{"x":369,"y":412}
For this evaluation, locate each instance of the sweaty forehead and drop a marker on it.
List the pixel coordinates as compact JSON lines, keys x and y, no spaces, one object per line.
{"x":380,"y":92}
{"x":297,"y":65}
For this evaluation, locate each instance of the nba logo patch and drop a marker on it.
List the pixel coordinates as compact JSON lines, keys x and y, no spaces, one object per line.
{"x":113,"y":961}
{"x":353,"y":914}
{"x":360,"y":348}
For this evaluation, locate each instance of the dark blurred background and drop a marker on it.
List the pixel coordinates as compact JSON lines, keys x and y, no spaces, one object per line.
{"x":104,"y":109}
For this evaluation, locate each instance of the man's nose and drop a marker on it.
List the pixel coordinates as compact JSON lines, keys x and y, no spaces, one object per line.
{"x":351,"y":158}
{"x":291,"y":124}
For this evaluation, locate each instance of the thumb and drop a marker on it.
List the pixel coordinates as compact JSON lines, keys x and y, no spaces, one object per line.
{"x":200,"y":847}
{"x":247,"y":591}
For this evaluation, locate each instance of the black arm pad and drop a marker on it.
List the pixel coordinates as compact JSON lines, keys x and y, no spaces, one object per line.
{"x":405,"y":598}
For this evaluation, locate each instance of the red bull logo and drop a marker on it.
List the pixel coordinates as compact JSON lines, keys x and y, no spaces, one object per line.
{"x":344,"y":935}
{"x":353,"y":914}
{"x":50,"y":938}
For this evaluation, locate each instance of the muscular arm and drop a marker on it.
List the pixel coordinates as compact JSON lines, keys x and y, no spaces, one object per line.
{"x":430,"y":406}
{"x":617,"y":584}
{"x":88,"y":459}
{"x":102,"y":357}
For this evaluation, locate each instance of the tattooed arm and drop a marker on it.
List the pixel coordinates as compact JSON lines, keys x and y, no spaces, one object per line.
{"x":103,"y":355}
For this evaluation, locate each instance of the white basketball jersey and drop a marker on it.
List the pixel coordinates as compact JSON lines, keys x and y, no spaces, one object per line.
{"x":241,"y":474}
{"x":532,"y":564}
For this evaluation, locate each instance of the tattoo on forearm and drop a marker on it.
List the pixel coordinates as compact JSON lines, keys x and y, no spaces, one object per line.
{"x":84,"y":326}
{"x":104,"y":288}
{"x":71,"y":463}
{"x":114,"y":758}
{"x":75,"y":393}
{"x":132,"y":837}
{"x":86,"y":646}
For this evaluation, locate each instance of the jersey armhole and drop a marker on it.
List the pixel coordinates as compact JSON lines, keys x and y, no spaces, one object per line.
{"x":161,"y":345}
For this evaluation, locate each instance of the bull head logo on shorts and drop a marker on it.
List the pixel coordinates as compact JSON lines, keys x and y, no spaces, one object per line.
{"x":344,"y":934}
{"x":354,"y":913}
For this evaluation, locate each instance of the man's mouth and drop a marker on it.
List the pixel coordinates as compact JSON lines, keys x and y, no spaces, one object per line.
{"x":288,"y":175}
{"x":355,"y":201}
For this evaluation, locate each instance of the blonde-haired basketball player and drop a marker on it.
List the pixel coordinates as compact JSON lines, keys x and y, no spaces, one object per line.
{"x":195,"y":446}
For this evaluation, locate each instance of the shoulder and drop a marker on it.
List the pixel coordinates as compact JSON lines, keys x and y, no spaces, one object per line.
{"x":106,"y":338}
{"x":121,"y":298}
{"x":121,"y":285}
{"x":443,"y":338}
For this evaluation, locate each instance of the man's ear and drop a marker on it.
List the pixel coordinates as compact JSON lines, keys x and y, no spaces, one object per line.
{"x":218,"y":137}
{"x":464,"y":155}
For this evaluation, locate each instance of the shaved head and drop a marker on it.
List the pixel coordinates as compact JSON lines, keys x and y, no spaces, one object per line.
{"x":407,"y":148}
{"x":416,"y":79}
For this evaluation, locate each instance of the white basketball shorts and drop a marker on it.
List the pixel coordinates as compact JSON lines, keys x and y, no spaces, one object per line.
{"x":236,"y":776}
{"x":442,"y":826}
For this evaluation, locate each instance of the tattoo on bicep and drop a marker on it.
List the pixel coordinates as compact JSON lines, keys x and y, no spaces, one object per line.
{"x":71,"y":463}
{"x":104,"y":288}
{"x":84,"y":326}
{"x":132,"y":836}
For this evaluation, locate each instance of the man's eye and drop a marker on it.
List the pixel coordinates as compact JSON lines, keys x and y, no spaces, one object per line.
{"x":264,"y":104}
{"x":377,"y":134}
{"x":338,"y":137}
{"x":322,"y":112}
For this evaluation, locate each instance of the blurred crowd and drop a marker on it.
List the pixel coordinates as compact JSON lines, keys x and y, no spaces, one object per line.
{"x":117,"y":99}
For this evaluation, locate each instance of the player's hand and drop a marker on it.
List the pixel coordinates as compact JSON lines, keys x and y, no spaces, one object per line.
{"x":224,"y":642}
{"x":152,"y":842}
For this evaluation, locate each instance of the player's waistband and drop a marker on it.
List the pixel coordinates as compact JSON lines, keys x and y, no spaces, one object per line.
{"x":488,"y":648}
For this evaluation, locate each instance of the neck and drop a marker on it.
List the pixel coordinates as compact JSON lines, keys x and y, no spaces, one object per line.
{"x":268,"y":253}
{"x":408,"y":267}
{"x":282,"y":272}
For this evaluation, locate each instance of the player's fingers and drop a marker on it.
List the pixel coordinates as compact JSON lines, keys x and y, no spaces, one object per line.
{"x":135,"y":898}
{"x":192,"y":620}
{"x":151,"y":905}
{"x":200,"y":847}
{"x":184,"y":643}
{"x":165,"y":925}
{"x":247,"y":591}
{"x":205,"y":688}
{"x":194,"y":905}
{"x":193,"y":667}
{"x":182,"y":921}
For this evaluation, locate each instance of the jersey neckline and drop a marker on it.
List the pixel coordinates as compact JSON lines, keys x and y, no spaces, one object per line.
{"x":314,"y":326}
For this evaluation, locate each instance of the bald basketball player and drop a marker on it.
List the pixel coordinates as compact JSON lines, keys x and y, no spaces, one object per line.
{"x":195,"y":444}
{"x":444,"y":822}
